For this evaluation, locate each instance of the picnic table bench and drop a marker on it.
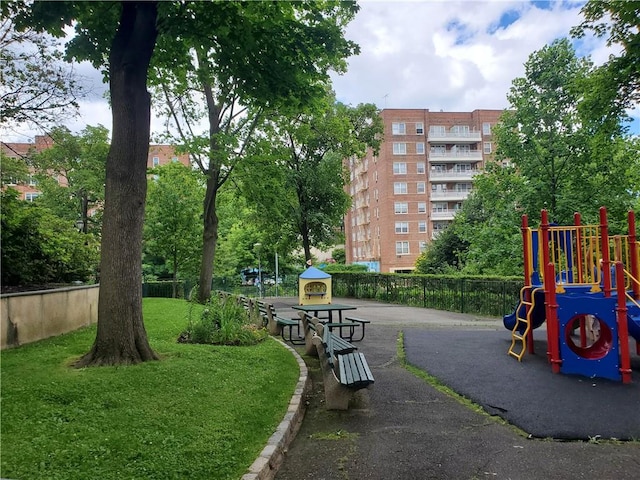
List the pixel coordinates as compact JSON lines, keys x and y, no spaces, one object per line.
{"x":278,"y":325}
{"x":344,"y":370}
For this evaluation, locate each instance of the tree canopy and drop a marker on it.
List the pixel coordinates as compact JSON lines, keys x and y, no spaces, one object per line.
{"x":254,"y":57}
{"x":71,"y":174}
{"x":36,"y":87}
{"x":303,"y":195}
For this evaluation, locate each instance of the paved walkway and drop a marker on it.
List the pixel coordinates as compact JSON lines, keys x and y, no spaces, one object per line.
{"x":402,"y":428}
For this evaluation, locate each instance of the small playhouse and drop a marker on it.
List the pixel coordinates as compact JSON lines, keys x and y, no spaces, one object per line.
{"x":314,"y":287}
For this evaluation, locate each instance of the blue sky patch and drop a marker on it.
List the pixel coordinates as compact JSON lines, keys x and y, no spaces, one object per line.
{"x":463,"y":34}
{"x":508,"y":18}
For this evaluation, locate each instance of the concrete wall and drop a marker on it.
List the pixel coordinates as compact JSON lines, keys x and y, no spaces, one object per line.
{"x":30,"y":316}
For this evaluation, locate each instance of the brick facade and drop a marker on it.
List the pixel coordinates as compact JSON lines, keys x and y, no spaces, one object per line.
{"x":158,"y":155}
{"x":403,"y":197}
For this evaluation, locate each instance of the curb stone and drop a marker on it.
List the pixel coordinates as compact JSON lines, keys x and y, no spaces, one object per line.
{"x":268,"y":462}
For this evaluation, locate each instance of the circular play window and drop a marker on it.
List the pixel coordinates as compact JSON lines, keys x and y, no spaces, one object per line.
{"x":588,"y":337}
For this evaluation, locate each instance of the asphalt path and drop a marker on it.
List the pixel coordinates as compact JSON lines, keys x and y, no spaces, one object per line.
{"x":404,"y":428}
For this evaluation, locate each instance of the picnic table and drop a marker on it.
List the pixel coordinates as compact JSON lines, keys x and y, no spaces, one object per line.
{"x":349,"y":323}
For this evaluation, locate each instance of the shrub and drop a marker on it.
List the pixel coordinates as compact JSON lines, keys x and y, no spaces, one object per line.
{"x":222,"y":323}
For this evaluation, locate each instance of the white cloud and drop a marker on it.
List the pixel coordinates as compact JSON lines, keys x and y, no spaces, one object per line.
{"x":451,"y":55}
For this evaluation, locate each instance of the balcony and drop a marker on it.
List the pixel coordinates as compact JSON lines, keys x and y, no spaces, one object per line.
{"x":452,"y":175}
{"x":455,"y":156}
{"x":449,"y":195}
{"x":443,"y":214}
{"x":454,"y":137}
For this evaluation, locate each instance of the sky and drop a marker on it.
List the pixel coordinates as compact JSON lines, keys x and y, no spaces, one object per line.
{"x":438,"y":55}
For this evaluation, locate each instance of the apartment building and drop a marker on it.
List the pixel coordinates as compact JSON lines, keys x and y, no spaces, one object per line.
{"x":407,"y":194}
{"x":158,"y":155}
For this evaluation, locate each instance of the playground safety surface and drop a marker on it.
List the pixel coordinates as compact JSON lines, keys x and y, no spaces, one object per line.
{"x":403,"y":428}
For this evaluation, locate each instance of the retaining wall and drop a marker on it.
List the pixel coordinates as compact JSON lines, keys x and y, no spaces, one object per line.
{"x":31,"y":316}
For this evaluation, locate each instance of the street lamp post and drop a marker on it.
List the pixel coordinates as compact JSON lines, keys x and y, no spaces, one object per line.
{"x":276,"y":274}
{"x":258,"y":246}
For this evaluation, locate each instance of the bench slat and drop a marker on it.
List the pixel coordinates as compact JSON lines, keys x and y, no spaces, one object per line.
{"x":346,"y":376}
{"x":354,"y":370}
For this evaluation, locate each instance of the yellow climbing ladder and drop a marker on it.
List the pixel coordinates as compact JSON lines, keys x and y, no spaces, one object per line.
{"x":519,"y":340}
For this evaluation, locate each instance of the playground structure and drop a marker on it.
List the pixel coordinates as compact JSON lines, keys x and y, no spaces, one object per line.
{"x":586,"y":285}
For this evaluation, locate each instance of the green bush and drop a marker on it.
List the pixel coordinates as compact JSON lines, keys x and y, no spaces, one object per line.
{"x":222,"y":323}
{"x":38,"y":247}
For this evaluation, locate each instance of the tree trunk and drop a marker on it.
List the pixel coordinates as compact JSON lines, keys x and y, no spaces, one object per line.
{"x":210,"y":233}
{"x":121,"y":336}
{"x":210,"y":239}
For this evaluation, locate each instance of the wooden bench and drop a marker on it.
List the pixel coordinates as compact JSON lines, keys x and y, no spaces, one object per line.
{"x":279,"y":325}
{"x":344,"y":370}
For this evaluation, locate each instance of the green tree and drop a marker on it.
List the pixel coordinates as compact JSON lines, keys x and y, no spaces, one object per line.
{"x":13,"y":170}
{"x":173,"y":226}
{"x":489,"y":223}
{"x":541,"y":133}
{"x":39,"y":248}
{"x":443,"y":255}
{"x":238,"y":233}
{"x":618,"y":21}
{"x":304,"y":188}
{"x":254,"y":57}
{"x":35,"y":85}
{"x":71,"y":174}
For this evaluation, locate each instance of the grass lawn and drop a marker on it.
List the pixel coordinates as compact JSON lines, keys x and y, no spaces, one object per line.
{"x":201,"y":412}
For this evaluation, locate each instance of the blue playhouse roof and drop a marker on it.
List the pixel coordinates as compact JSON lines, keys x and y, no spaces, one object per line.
{"x":314,"y":273}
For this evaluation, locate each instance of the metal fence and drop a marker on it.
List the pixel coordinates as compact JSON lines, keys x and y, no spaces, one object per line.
{"x":476,"y":295}
{"x":492,"y":297}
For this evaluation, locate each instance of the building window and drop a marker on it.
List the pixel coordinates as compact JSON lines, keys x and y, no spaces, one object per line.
{"x":439,"y":207}
{"x":402,"y":227}
{"x":420,"y":167}
{"x":402,"y":248}
{"x":438,"y":150}
{"x":421,"y":187}
{"x":420,"y":148}
{"x":486,"y":128}
{"x":401,"y":207}
{"x":422,"y":207}
{"x":460,"y":129}
{"x":462,"y":167}
{"x":174,"y":159}
{"x":419,"y":128}
{"x":487,"y":147}
{"x":156,"y":161}
{"x":440,"y":226}
{"x":422,"y":227}
{"x":31,"y":196}
{"x":437,"y":130}
{"x":399,"y":148}
{"x":463,"y":187}
{"x":400,"y":188}
{"x":399,"y":168}
{"x":423,"y":246}
{"x":398,"y":128}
